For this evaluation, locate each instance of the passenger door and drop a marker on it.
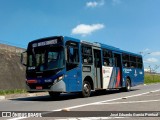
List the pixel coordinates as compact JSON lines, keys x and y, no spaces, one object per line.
{"x":98,"y":68}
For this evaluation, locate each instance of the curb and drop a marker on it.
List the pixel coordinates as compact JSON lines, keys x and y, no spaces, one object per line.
{"x":23,"y":95}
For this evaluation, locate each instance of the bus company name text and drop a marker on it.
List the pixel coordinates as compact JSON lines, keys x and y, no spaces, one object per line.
{"x":50,"y":42}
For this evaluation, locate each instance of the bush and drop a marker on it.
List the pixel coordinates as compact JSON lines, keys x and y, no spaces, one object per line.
{"x":151,"y":78}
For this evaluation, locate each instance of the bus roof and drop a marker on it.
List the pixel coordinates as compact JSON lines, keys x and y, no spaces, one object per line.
{"x":118,"y":50}
{"x":96,"y":44}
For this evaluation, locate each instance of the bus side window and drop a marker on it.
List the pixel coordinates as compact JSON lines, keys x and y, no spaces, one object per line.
{"x":107,"y":58}
{"x":106,"y":62}
{"x":125,"y":64}
{"x":86,"y":54}
{"x":110,"y":62}
{"x":72,"y":56}
{"x":115,"y":62}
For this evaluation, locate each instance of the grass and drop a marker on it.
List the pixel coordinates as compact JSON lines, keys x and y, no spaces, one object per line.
{"x":151,"y":78}
{"x":16,"y":91}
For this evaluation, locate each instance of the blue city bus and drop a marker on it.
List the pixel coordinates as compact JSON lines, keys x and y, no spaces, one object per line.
{"x":61,"y":64}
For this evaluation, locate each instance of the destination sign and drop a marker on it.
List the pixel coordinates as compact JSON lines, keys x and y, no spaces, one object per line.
{"x":44,"y":43}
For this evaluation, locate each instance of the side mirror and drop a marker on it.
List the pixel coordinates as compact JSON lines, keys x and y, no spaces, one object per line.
{"x":24,"y":58}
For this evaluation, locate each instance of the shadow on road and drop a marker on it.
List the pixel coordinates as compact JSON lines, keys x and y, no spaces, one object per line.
{"x":68,"y":96}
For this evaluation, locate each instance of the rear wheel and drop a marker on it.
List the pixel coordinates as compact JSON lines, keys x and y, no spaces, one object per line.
{"x":128,"y":85}
{"x":127,"y":88}
{"x":86,"y":91}
{"x":54,"y":94}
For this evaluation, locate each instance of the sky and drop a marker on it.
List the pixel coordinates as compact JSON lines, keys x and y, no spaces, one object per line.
{"x":132,"y":25}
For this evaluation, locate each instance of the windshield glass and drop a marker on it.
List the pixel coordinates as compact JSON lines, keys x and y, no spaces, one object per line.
{"x":46,"y":58}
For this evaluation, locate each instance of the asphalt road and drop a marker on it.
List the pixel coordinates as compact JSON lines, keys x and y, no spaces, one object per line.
{"x":101,"y":105}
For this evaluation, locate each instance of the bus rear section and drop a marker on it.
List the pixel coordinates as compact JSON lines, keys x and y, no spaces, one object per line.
{"x":121,"y":69}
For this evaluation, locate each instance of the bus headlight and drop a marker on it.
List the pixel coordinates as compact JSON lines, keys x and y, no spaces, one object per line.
{"x":60,"y":78}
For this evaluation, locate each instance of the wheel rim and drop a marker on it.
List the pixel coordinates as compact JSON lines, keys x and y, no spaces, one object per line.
{"x":86,"y":90}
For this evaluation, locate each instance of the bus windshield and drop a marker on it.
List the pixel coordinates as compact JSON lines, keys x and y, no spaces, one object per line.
{"x":46,"y":58}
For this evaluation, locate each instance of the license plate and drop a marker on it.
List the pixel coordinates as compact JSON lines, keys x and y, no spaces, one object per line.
{"x":39,"y":87}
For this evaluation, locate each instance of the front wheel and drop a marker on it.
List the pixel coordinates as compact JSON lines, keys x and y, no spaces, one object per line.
{"x":86,"y":91}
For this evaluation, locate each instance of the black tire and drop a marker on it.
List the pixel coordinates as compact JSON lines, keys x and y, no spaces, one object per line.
{"x":86,"y":91}
{"x":127,"y":88}
{"x":128,"y":85}
{"x":54,"y":94}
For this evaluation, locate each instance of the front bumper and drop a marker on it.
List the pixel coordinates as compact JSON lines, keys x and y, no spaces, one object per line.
{"x":57,"y":87}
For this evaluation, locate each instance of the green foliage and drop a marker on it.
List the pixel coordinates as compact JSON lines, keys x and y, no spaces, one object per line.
{"x":151,"y":78}
{"x":16,"y":91}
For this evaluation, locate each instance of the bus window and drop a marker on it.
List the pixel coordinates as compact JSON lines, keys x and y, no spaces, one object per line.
{"x":40,"y":59}
{"x":70,"y":52}
{"x":139,"y":63}
{"x":72,"y":56}
{"x":126,"y":61}
{"x":133,"y":61}
{"x":30,"y":63}
{"x":107,"y":58}
{"x":87,"y":55}
{"x":117,"y":60}
{"x":52,"y":56}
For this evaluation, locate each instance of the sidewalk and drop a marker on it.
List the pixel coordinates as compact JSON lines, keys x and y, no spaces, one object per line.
{"x":12,"y":96}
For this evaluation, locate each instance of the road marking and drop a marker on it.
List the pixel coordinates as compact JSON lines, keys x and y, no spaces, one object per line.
{"x":94,"y":103}
{"x":145,"y":101}
{"x":153,"y":95}
{"x":83,"y":105}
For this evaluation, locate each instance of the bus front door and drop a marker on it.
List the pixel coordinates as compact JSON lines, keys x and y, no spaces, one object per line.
{"x":98,"y":69}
